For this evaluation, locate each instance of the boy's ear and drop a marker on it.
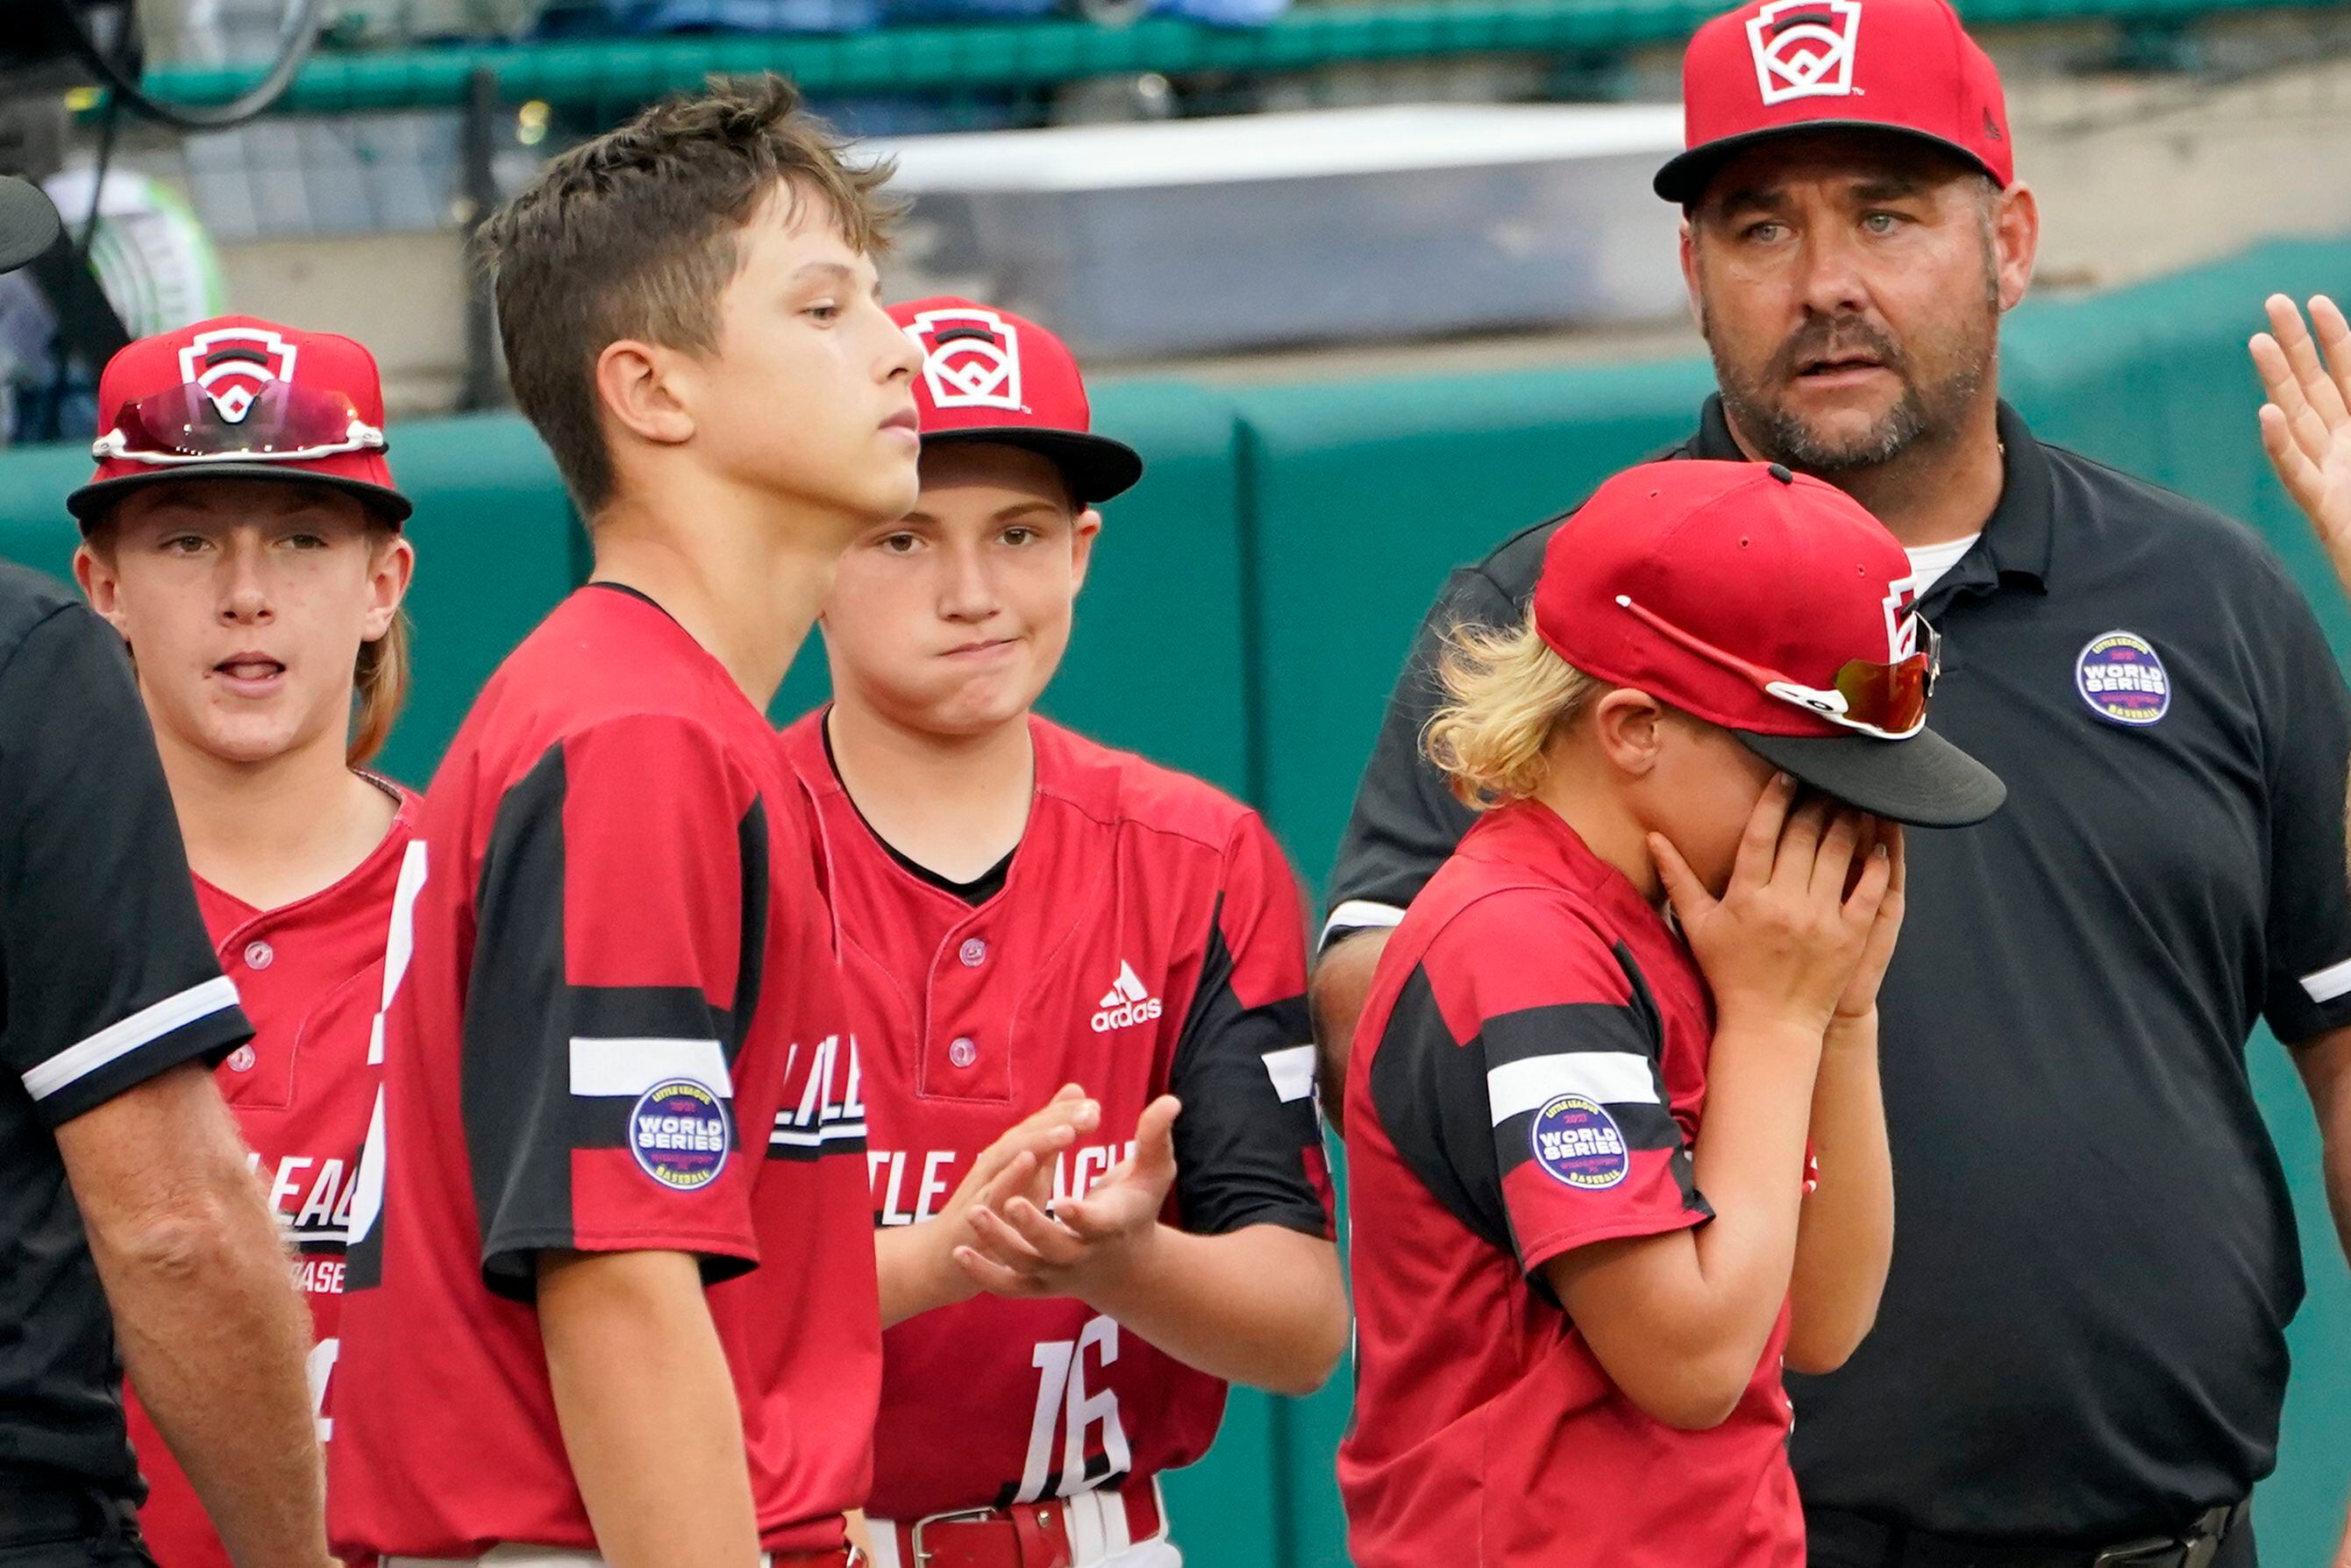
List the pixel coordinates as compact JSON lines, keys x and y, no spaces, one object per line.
{"x":637,"y":385}
{"x":1083,"y":534}
{"x":95,"y":576}
{"x":1629,"y":726}
{"x":394,"y":568}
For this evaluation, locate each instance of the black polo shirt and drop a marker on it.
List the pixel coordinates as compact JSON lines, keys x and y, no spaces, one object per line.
{"x":2083,"y":1336}
{"x":106,"y":980}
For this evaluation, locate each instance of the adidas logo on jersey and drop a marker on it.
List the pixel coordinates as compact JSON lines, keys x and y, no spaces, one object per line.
{"x":1127,"y":1002}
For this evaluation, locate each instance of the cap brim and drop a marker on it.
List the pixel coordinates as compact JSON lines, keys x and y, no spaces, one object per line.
{"x":1684,"y":177}
{"x":28,"y":222}
{"x":1096,"y":467}
{"x":1924,"y":780}
{"x":91,"y":500}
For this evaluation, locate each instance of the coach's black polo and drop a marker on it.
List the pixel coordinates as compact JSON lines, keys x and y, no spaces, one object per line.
{"x":2094,"y":1259}
{"x":107,"y":978}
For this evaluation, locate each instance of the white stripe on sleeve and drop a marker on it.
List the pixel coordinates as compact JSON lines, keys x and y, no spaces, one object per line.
{"x":630,"y":1067}
{"x":1603,"y":1077}
{"x":118,"y":1040}
{"x":1292,"y":1071}
{"x":1360,"y":914}
{"x":2328,"y":983}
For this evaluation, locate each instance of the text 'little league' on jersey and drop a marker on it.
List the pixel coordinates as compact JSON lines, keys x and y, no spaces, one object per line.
{"x":910,"y":1185}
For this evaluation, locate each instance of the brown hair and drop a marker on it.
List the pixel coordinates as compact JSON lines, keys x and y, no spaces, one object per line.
{"x":634,"y":234}
{"x":1508,"y":695}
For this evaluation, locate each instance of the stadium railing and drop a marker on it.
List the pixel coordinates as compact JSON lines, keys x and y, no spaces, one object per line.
{"x":604,"y":72}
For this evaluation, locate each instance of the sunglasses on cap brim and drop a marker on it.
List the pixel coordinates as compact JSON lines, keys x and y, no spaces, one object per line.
{"x":1885,"y":701}
{"x":281,"y":423}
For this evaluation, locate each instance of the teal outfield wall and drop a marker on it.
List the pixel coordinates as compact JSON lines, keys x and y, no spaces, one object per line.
{"x":1252,"y":598}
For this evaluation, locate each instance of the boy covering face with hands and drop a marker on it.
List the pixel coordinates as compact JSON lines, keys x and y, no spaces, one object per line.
{"x":1589,"y":1131}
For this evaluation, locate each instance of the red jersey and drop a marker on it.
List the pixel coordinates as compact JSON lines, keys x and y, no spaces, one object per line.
{"x":618,"y":1030}
{"x":1147,"y":939}
{"x":311,"y":973}
{"x":1529,"y":1073}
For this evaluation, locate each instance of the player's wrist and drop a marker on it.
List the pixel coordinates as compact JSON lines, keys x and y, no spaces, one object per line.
{"x":1118,"y":1273}
{"x":1857,"y":1028}
{"x":1776,"y":1023}
{"x":944,"y":1281}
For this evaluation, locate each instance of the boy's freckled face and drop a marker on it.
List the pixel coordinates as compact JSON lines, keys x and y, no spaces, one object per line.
{"x":952,"y":620}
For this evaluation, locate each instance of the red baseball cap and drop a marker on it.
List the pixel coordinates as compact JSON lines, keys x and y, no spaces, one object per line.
{"x":1778,"y":67}
{"x":989,"y":375}
{"x":1775,"y":606}
{"x":237,"y":397}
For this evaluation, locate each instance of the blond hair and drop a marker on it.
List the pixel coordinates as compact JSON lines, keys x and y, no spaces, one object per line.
{"x":378,"y":690}
{"x":1509,"y":695}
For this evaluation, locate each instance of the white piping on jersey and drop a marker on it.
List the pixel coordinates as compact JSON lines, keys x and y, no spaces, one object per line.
{"x":1292,"y":1071}
{"x":400,"y":941}
{"x":1603,"y":1077}
{"x":789,"y":1135}
{"x":1359,"y":914}
{"x":617,"y":1068}
{"x":120,"y":1038}
{"x":2326,"y":985}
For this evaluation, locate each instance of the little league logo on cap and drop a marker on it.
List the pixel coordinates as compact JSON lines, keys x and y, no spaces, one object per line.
{"x":998,"y":379}
{"x":1782,"y":68}
{"x":971,"y":358}
{"x":1901,"y":604}
{"x":239,"y":398}
{"x":233,"y":364}
{"x":1804,"y":49}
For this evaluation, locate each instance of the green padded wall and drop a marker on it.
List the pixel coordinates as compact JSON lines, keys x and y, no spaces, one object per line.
{"x":1251,"y":603}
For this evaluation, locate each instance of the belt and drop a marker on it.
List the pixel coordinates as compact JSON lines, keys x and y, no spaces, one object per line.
{"x":1064,"y":1533}
{"x":572,"y":1557}
{"x":1843,"y":1537}
{"x":32,"y":1512}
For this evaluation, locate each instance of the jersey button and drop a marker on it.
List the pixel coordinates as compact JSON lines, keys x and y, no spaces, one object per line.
{"x":962,"y":1052}
{"x":974,"y":953}
{"x":259,"y":955}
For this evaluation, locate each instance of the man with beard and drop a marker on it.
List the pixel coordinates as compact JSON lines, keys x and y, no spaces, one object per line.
{"x":2080,"y":1358}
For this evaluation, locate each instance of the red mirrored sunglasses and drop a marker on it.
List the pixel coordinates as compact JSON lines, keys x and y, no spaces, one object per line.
{"x":1886,"y":701}
{"x":282,"y":423}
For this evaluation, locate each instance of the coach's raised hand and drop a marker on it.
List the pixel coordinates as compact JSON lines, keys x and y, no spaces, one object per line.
{"x":2307,"y":423}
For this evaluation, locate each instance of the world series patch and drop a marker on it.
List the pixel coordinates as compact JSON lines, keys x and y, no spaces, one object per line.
{"x":2122,"y":679}
{"x":680,"y":1133}
{"x":1578,"y":1143}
